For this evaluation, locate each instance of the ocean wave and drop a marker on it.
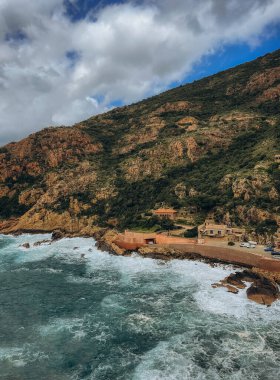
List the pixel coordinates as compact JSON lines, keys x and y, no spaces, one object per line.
{"x":21,"y":356}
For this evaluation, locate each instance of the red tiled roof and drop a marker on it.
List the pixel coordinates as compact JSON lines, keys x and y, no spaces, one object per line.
{"x":165,"y":211}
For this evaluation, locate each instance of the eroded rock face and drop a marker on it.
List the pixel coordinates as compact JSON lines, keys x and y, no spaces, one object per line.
{"x":30,"y":197}
{"x":46,"y":149}
{"x":176,"y":106}
{"x":193,"y":150}
{"x":189,"y":123}
{"x":105,"y":241}
{"x":262,"y":80}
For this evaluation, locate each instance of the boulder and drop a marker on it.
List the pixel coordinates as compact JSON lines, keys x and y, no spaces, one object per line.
{"x":57,"y":235}
{"x":263,"y":291}
{"x":234,"y":279}
{"x":25,"y":245}
{"x":249,"y":276}
{"x":232,"y":289}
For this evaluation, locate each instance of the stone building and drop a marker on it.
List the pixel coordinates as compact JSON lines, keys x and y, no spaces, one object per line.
{"x":210,"y":229}
{"x":166,"y":213}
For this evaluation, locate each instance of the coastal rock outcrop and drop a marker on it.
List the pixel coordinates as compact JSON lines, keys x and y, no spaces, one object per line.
{"x":57,"y":235}
{"x":263,"y":289}
{"x":105,"y":239}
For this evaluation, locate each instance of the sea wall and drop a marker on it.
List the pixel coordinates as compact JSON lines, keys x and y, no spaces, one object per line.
{"x":229,"y":255}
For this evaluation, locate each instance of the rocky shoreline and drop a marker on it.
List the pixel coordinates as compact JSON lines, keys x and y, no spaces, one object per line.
{"x":263,"y":286}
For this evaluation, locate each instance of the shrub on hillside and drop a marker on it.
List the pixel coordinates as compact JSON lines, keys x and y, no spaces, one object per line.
{"x":191,"y":233}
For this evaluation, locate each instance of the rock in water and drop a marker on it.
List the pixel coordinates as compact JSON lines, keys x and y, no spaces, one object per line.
{"x":57,"y":235}
{"x":263,"y":291}
{"x":235,"y":280}
{"x":231,"y":289}
{"x":25,"y":245}
{"x":46,"y":241}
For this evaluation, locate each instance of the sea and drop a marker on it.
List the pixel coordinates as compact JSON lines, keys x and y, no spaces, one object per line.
{"x":69,"y":311}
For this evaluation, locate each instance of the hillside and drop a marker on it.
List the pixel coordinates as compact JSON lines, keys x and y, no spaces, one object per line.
{"x":204,"y":147}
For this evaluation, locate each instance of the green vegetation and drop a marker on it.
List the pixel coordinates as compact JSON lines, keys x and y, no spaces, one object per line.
{"x":144,"y":135}
{"x":205,"y":175}
{"x":10,"y":207}
{"x":191,"y":233}
{"x":267,"y":227}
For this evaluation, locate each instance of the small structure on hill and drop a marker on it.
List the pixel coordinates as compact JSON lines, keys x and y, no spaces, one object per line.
{"x":211,"y":229}
{"x":277,"y":158}
{"x":166,"y":213}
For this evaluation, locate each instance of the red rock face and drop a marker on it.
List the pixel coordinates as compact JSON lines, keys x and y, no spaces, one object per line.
{"x":270,"y":94}
{"x":264,"y":80}
{"x":44,"y":150}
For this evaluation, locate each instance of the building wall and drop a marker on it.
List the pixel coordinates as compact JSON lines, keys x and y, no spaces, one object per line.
{"x":163,"y":239}
{"x":168,"y":215}
{"x":207,"y":231}
{"x":134,"y":240}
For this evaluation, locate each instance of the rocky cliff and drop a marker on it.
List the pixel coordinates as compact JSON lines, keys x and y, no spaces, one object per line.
{"x":209,"y":145}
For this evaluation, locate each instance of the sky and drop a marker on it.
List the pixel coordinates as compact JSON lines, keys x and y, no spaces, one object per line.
{"x":62,"y":61}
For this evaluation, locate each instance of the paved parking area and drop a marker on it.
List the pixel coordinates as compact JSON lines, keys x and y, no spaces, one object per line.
{"x":223,"y":243}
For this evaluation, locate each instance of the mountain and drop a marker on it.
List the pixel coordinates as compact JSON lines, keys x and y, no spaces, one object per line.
{"x":205,"y":147}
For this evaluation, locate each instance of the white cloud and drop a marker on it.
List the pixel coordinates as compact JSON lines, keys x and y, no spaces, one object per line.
{"x":53,"y":71}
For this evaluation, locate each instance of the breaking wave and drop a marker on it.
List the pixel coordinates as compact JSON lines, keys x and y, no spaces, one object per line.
{"x":69,"y":311}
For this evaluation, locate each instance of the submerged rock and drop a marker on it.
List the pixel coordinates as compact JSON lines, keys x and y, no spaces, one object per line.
{"x":37,"y":243}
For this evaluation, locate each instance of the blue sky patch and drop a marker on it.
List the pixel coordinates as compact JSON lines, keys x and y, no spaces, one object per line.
{"x":80,"y":9}
{"x":73,"y":57}
{"x":16,"y":37}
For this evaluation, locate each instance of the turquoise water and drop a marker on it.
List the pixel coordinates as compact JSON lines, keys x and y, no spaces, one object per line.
{"x":106,"y":317}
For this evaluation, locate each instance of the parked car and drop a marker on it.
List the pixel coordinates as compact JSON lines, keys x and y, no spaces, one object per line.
{"x":245,"y":245}
{"x":252,"y":245}
{"x":268,"y":249}
{"x":275,"y":253}
{"x":252,"y":242}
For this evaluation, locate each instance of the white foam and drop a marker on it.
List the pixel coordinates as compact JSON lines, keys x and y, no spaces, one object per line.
{"x":141,"y":323}
{"x":114,"y":302}
{"x":74,"y":326}
{"x":175,"y":274}
{"x":194,"y":356}
{"x":20,"y":356}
